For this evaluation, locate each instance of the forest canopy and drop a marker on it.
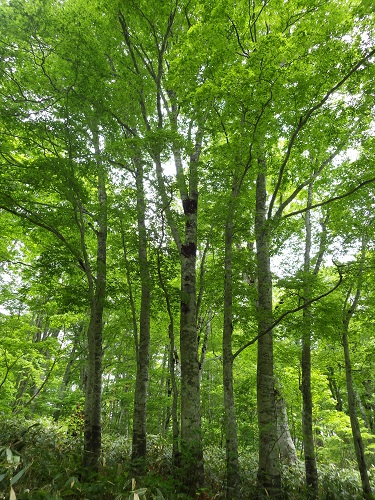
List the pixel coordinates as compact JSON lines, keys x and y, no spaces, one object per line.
{"x":186,"y":254}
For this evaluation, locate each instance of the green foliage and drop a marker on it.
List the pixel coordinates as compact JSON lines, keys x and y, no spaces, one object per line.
{"x":340,"y":483}
{"x":270,"y":82}
{"x":10,"y":471}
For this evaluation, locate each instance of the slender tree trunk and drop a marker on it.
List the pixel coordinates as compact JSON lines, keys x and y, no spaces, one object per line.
{"x":362,"y":410}
{"x":203,"y":324}
{"x":172,"y":362}
{"x":348,"y":311}
{"x":369,"y":405}
{"x":206,"y":336}
{"x":356,"y":431}
{"x":334,"y":388}
{"x":230,"y":424}
{"x":143,"y":351}
{"x":307,"y":418}
{"x":68,"y":369}
{"x":269,"y":478}
{"x":92,"y":434}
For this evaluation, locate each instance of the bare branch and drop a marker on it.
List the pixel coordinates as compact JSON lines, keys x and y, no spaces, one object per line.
{"x":202,"y":275}
{"x":125,"y":32}
{"x":322,"y":245}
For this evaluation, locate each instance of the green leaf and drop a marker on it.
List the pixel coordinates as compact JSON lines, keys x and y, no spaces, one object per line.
{"x":19,"y":475}
{"x":140,"y":492}
{"x":160,"y":495}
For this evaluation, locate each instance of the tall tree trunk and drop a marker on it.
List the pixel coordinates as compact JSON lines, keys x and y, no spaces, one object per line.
{"x":143,"y":351}
{"x":191,"y":434}
{"x":307,"y":420}
{"x":192,"y":470}
{"x":230,"y":424}
{"x":97,"y":287}
{"x":269,"y":478}
{"x":92,"y":435}
{"x":369,"y":403}
{"x":348,"y":311}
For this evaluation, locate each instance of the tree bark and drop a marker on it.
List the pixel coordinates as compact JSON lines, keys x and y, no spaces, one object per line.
{"x":191,"y":465}
{"x":192,"y":472}
{"x":269,"y":478}
{"x":191,"y":434}
{"x":143,"y":346}
{"x":356,"y":431}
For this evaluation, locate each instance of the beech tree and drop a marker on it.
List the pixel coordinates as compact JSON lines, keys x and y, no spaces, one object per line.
{"x":264,"y":113}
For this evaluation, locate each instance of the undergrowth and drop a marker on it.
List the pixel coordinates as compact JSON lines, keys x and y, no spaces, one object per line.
{"x":42,"y":460}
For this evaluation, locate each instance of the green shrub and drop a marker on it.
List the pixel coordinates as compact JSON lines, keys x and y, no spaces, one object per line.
{"x":340,"y":484}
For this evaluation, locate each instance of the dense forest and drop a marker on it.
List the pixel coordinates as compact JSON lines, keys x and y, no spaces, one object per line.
{"x":187,"y":249}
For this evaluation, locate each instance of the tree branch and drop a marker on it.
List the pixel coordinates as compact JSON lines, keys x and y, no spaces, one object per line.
{"x":331,"y":200}
{"x":305,"y":118}
{"x":290,"y":311}
{"x":24,"y":213}
{"x":304,"y":184}
{"x":37,"y":392}
{"x":8,"y":367}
